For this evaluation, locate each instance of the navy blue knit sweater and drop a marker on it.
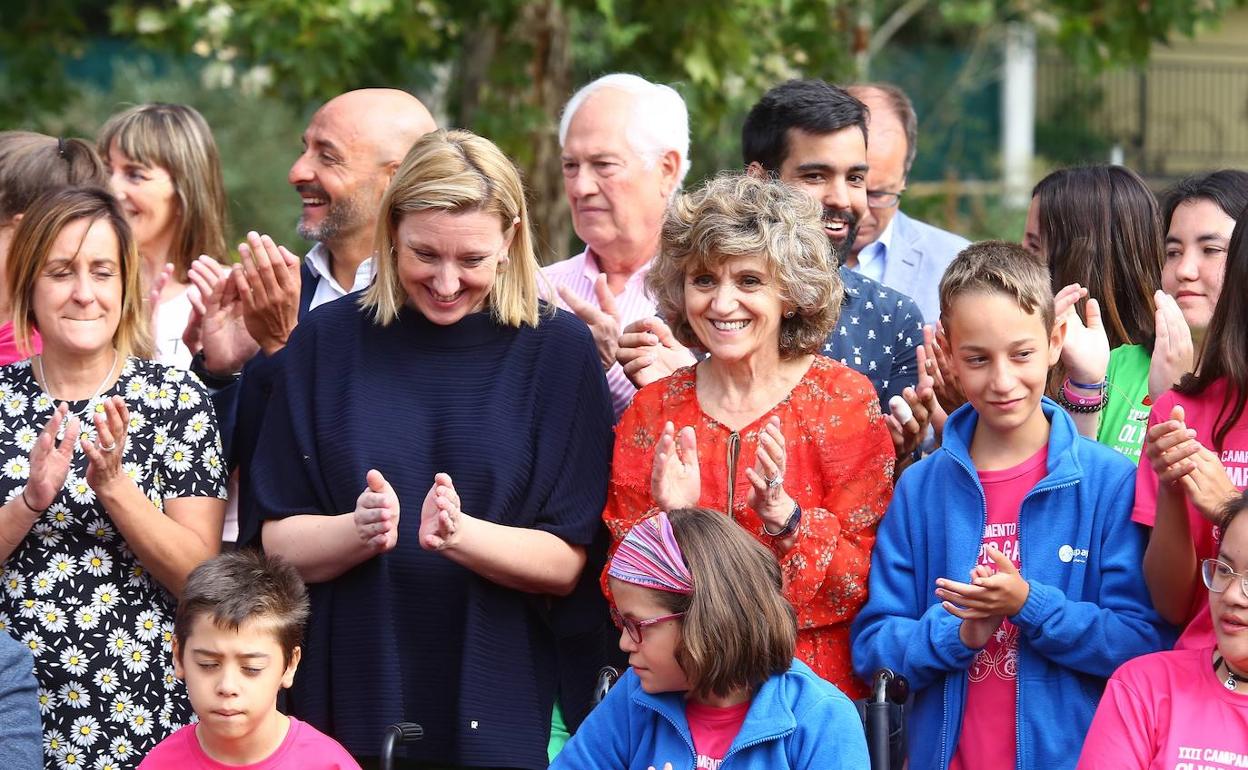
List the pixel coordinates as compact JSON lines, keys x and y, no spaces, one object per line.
{"x":521,"y":420}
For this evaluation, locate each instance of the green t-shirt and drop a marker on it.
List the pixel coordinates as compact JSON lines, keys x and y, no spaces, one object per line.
{"x":1124,"y":421}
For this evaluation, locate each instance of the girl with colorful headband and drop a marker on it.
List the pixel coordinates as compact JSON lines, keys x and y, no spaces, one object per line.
{"x":710,"y":641}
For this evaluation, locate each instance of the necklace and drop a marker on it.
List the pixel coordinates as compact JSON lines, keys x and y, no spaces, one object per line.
{"x":1232,"y":680}
{"x":83,"y":419}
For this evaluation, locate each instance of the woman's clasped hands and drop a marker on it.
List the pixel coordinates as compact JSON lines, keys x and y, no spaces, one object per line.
{"x":53,"y":452}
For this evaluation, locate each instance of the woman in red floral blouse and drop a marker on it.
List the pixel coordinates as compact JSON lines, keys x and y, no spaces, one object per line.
{"x":788,"y":443}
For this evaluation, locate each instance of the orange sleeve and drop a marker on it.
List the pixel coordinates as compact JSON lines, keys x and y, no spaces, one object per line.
{"x":826,"y":570}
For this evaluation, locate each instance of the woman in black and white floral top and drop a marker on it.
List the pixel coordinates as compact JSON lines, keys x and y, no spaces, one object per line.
{"x":111,"y":474}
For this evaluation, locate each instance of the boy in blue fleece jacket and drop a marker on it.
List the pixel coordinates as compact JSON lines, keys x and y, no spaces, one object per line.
{"x":1005,"y":581}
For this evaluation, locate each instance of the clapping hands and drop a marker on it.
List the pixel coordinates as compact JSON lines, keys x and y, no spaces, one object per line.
{"x":675,"y":481}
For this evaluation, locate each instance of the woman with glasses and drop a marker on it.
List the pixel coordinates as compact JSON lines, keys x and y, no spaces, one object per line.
{"x":1163,"y":709}
{"x":710,"y":639}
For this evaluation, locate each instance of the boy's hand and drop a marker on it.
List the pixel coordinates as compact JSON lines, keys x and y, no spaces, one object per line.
{"x":977,"y":627}
{"x":1002,"y":593}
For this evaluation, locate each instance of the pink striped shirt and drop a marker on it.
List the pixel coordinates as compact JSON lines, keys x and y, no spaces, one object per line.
{"x":578,"y":274}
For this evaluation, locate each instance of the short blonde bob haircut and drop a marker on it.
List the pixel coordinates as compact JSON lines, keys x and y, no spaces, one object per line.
{"x":738,"y":629}
{"x":46,"y":217}
{"x":737,"y":215}
{"x":457,"y":172}
{"x":176,"y":138}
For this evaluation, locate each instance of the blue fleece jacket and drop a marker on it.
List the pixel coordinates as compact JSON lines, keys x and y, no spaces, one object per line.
{"x":796,"y":720}
{"x":1087,"y":611}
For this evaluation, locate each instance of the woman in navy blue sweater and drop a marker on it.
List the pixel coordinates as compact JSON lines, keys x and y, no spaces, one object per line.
{"x":434,"y":462}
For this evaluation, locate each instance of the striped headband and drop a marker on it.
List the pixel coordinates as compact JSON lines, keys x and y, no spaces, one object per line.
{"x":650,"y":556}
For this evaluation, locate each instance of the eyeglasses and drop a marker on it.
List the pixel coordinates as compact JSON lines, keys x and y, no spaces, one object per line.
{"x":1217,"y":576}
{"x":878,"y":199}
{"x":633,"y":627}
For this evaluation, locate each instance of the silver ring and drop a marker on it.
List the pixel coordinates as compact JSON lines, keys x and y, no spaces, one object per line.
{"x":931,"y":364}
{"x":773,"y":483}
{"x":108,"y":448}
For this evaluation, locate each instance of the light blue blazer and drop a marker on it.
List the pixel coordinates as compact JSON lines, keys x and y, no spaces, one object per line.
{"x":916,"y":259}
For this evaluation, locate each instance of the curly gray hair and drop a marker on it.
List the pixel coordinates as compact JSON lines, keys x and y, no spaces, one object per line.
{"x":737,"y":215}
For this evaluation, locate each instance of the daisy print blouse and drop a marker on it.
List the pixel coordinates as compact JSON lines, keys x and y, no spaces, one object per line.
{"x":99,"y":626}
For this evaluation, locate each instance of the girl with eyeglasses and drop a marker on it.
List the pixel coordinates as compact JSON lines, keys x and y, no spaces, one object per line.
{"x":710,"y":641}
{"x":1163,"y":709}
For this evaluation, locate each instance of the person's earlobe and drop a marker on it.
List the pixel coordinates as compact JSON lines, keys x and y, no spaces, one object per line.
{"x":178,"y":669}
{"x":288,"y":676}
{"x":1057,"y":338}
{"x":756,"y":170}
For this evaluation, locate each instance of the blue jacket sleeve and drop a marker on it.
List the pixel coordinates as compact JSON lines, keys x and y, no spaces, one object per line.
{"x":829,"y":736}
{"x":1095,"y":637}
{"x":902,"y":627}
{"x":604,"y":738}
{"x":20,"y":729}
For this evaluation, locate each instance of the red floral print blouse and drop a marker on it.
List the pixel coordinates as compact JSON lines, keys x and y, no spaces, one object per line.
{"x":839,"y":459}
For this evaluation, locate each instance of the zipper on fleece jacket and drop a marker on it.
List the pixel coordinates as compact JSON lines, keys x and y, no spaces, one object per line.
{"x":1018,"y":690}
{"x":688,"y":739}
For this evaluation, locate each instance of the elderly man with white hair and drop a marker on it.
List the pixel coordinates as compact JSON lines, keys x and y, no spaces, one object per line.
{"x":625,"y":151}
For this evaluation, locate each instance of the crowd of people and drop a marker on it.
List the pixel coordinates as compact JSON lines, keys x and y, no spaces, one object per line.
{"x":759,"y":439}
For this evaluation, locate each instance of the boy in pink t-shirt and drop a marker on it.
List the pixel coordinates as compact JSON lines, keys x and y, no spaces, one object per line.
{"x":236,"y":645}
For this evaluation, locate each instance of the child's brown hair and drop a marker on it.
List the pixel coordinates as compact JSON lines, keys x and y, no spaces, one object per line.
{"x":238,"y":586}
{"x":1001,"y":268}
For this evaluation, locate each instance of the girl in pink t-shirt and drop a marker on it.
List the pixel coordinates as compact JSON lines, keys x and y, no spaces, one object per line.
{"x":1186,"y":709}
{"x":1196,"y":450}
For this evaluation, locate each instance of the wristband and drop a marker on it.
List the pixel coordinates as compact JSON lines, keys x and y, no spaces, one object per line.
{"x":790,"y":526}
{"x":1078,"y":398}
{"x":33,"y":509}
{"x":1090,"y":406}
{"x":1082,"y":386}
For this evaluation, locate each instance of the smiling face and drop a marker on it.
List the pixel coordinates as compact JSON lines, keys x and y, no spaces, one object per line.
{"x":77,"y":295}
{"x":232,"y":678}
{"x":1230,"y":607}
{"x":447,"y":263}
{"x":339,"y":177}
{"x":617,"y":198}
{"x":149,"y":200}
{"x":654,"y":659}
{"x":832,"y":169}
{"x":1196,"y":246}
{"x":1002,"y":356}
{"x":735,"y":308}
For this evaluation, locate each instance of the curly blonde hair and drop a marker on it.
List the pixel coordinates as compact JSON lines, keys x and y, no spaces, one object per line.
{"x":737,"y":215}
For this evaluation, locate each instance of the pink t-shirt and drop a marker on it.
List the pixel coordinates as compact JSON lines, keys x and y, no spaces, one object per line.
{"x":989,"y":734}
{"x":1168,"y":711}
{"x":1201,"y":414}
{"x":8,"y":344}
{"x":304,"y":748}
{"x":713,"y":730}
